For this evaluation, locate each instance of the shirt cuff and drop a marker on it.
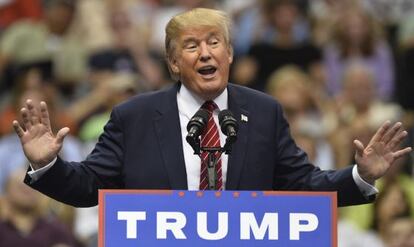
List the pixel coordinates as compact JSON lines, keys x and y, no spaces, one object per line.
{"x":366,"y":189}
{"x":37,"y":174}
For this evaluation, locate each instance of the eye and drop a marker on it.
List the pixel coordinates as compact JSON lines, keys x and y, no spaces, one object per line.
{"x":191,"y":47}
{"x":213,"y":42}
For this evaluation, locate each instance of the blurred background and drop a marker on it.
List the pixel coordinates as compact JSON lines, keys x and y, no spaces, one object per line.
{"x":339,"y":68}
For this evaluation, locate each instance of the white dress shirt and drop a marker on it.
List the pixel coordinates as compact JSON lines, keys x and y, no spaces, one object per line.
{"x":188,"y":105}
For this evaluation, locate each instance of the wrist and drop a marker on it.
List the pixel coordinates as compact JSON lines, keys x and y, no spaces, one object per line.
{"x":366,"y":177}
{"x":40,"y":164}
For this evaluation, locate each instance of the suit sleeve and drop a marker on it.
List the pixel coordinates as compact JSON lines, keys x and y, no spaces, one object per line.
{"x":294,"y":171}
{"x":76,"y":183}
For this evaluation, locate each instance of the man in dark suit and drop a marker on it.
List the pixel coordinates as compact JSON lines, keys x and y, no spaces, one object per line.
{"x":143,"y":145}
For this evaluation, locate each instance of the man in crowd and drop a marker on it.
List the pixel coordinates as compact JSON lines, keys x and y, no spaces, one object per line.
{"x":23,"y":222}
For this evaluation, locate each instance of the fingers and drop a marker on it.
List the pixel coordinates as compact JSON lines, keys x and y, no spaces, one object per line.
{"x":62,"y":134}
{"x":18,"y":129}
{"x":380,"y":133}
{"x":359,"y":147}
{"x":33,"y":116}
{"x":44,"y":115}
{"x":25,"y":117}
{"x":402,"y":152}
{"x":397,"y":139}
{"x":391,"y":133}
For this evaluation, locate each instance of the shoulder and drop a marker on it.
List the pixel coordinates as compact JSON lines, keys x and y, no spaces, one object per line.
{"x":256,"y":100}
{"x":25,"y":27}
{"x":248,"y":92}
{"x":59,"y":232}
{"x":148,"y":102}
{"x":18,"y":31}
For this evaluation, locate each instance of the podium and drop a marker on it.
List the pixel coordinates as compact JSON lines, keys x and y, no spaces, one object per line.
{"x":158,"y":218}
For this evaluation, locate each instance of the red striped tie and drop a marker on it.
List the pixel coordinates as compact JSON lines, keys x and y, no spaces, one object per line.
{"x":210,"y":138}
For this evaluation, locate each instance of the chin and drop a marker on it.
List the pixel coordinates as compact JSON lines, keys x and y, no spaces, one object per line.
{"x":212,"y":93}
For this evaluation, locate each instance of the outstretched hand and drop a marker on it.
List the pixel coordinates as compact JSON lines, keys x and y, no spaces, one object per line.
{"x":39,"y":143}
{"x":374,"y":160}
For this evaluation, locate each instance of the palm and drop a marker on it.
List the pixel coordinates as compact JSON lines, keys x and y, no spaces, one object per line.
{"x":377,"y":159}
{"x":374,"y":160}
{"x":40,"y":145}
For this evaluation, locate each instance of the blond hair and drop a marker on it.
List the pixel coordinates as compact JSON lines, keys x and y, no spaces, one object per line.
{"x":289,"y":76}
{"x":195,"y":18}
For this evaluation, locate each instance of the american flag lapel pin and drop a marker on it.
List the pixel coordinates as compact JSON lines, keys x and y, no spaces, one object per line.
{"x":244,"y":118}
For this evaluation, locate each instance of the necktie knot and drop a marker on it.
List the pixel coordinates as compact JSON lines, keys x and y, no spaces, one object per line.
{"x":209,"y":106}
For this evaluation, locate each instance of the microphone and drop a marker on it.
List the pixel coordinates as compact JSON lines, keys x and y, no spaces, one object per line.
{"x":229,"y":127}
{"x":195,"y":127}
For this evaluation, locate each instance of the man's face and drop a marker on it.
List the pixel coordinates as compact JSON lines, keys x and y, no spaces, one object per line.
{"x":20,"y":196}
{"x":202,"y":60}
{"x":60,"y":18}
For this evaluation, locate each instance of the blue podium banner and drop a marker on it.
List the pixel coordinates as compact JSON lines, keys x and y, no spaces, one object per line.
{"x":217,"y":218}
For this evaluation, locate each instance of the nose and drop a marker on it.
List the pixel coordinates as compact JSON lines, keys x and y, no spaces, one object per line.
{"x":204,"y":52}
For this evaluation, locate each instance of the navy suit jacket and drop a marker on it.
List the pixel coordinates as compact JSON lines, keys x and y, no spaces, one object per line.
{"x":141,"y":148}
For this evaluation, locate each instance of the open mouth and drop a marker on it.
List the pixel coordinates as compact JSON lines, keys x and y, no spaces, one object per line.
{"x":207,"y":70}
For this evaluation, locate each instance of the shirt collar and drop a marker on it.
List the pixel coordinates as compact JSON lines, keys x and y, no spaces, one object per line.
{"x":189,"y":103}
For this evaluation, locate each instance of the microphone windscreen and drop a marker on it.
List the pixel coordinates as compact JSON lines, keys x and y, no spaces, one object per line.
{"x":200,"y":118}
{"x":202,"y":113}
{"x":227,"y":119}
{"x":223,"y":114}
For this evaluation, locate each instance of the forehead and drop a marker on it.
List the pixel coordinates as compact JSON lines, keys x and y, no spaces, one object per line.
{"x":199,"y":33}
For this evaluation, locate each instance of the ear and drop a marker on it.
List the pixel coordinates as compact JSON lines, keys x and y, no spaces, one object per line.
{"x":174,"y":65}
{"x":230,"y":51}
{"x":175,"y":69}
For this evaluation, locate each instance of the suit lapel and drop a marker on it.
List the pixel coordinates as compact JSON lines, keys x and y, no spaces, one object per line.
{"x":168,"y":131}
{"x":237,"y":106}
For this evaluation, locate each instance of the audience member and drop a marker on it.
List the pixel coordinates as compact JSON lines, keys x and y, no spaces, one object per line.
{"x":129,"y":52}
{"x":359,"y":110}
{"x":31,"y":84}
{"x":351,"y":236}
{"x":323,"y":15}
{"x":400,"y":232}
{"x":355,"y":37}
{"x":47,"y":40}
{"x":23,"y":223}
{"x":121,"y":86}
{"x":309,"y":123}
{"x":284,"y":49}
{"x":254,"y":24}
{"x":396,"y":199}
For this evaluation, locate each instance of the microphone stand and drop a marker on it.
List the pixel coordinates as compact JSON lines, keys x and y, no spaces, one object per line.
{"x":211,"y":165}
{"x":212,"y":161}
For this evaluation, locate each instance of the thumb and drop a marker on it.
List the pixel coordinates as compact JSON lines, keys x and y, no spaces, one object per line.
{"x":359,"y":147}
{"x":62,"y":133}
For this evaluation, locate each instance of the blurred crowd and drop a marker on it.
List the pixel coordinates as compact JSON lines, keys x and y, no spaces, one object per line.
{"x":340,"y":68}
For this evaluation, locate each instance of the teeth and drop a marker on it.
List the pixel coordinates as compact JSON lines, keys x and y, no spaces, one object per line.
{"x":208,"y":67}
{"x":207,"y":70}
